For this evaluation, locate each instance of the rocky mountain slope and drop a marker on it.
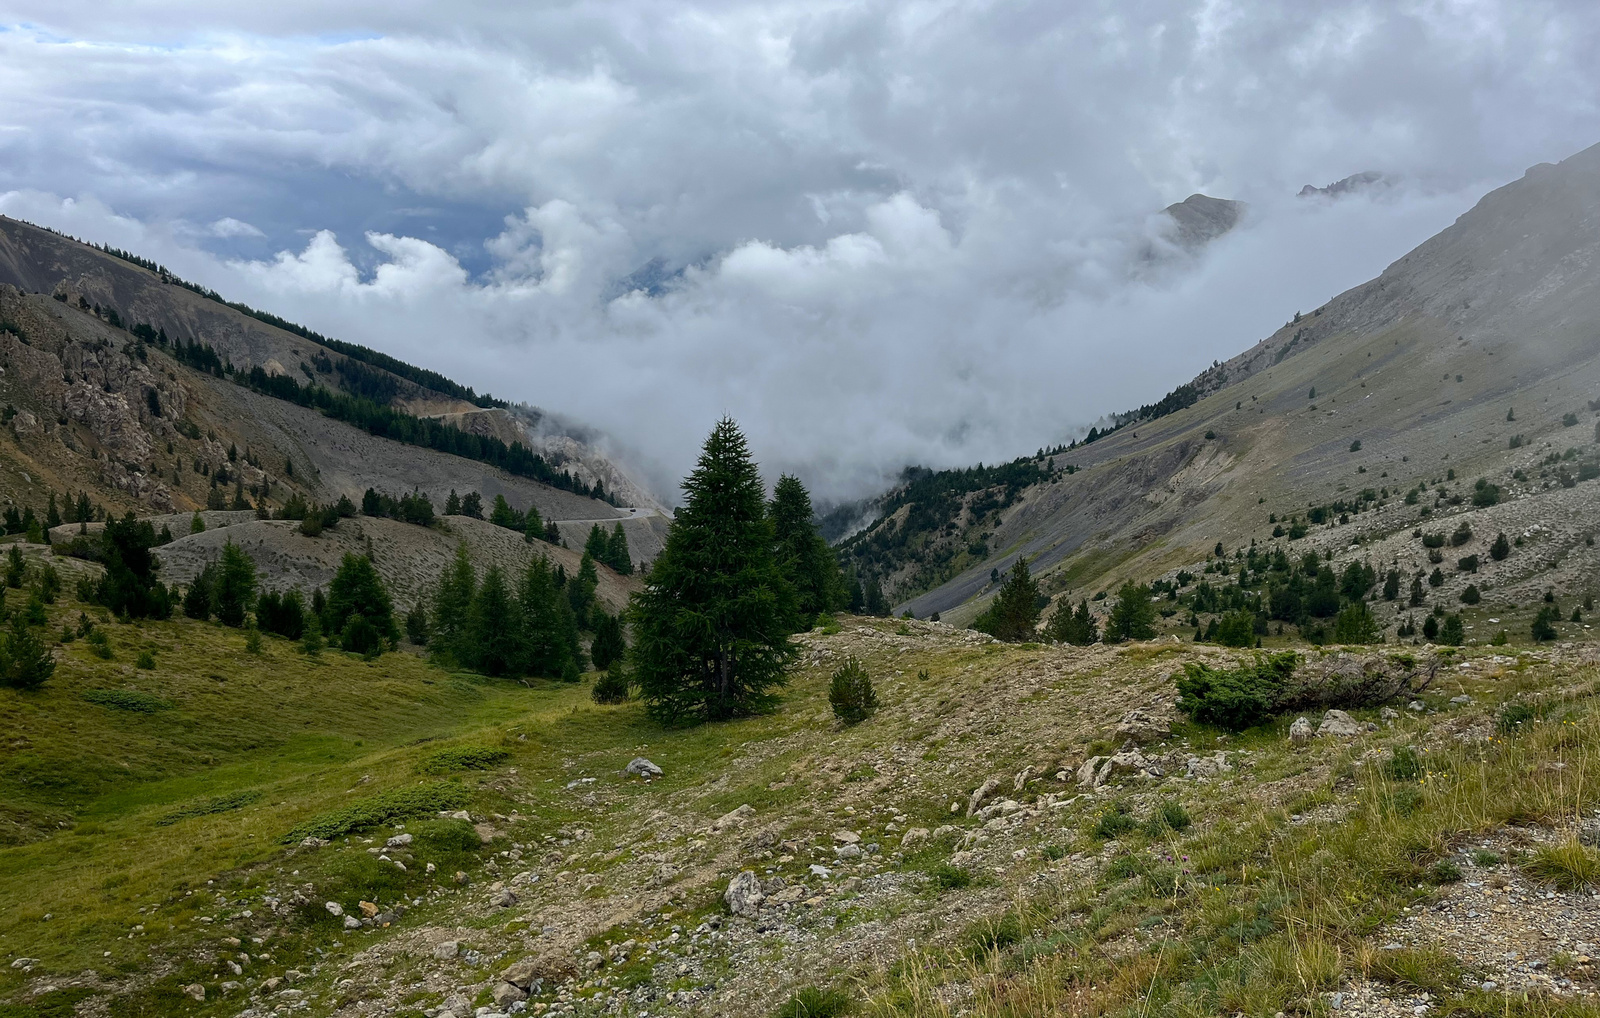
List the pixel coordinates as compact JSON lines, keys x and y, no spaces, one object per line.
{"x":125,"y":384}
{"x":1476,"y":353}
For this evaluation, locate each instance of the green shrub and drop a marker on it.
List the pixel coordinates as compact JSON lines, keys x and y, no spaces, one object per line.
{"x":385,"y":807}
{"x":1513,"y":716}
{"x":210,"y":807}
{"x":25,"y":662}
{"x":612,"y":686}
{"x":145,"y":660}
{"x":130,"y":700}
{"x":447,"y":836}
{"x":1167,"y":816}
{"x":1237,"y":629}
{"x":1115,"y":821}
{"x":814,"y":1002}
{"x":851,"y":694}
{"x":1235,"y":700}
{"x":950,"y":878}
{"x":1404,"y":765}
{"x":463,"y":758}
{"x":1445,"y":871}
{"x":1544,"y":623}
{"x":1355,"y":624}
{"x":100,"y":644}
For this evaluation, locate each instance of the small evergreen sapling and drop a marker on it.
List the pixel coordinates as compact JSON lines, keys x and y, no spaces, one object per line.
{"x":851,"y":694}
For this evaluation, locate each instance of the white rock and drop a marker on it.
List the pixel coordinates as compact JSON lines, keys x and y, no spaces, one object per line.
{"x":398,"y":841}
{"x":1301,"y":732}
{"x":1338,"y":724}
{"x":981,"y":793}
{"x":743,"y":896}
{"x":639,"y":767}
{"x":334,"y":909}
{"x":446,"y":949}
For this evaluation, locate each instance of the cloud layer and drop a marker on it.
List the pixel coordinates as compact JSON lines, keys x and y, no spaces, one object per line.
{"x":876,"y":233}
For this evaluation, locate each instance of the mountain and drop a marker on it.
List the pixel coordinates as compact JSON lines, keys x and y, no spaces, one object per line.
{"x":141,"y":391}
{"x":1475,"y":355}
{"x":1365,"y":181}
{"x":1201,"y":218}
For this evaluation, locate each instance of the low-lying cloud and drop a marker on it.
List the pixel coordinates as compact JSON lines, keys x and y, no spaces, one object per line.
{"x":876,"y":234}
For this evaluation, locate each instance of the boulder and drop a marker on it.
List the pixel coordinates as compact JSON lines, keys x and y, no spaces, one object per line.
{"x":846,"y":837}
{"x":521,"y":973}
{"x":743,"y":896}
{"x":639,"y":767}
{"x":981,"y":793}
{"x":1088,"y":769}
{"x":504,"y":995}
{"x":914,"y":838}
{"x":1021,"y":780}
{"x":195,"y":991}
{"x":399,"y":841}
{"x":1204,"y":768}
{"x":1142,"y":725}
{"x":1301,"y":732}
{"x":446,"y":949}
{"x":334,"y":909}
{"x":734,"y":818}
{"x":847,"y":852}
{"x":1337,"y":724}
{"x":505,"y":898}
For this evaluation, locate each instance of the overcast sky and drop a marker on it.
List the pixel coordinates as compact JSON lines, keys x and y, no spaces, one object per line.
{"x":875,"y":233}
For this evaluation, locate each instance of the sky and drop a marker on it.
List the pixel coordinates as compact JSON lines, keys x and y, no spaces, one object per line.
{"x":876,"y":234}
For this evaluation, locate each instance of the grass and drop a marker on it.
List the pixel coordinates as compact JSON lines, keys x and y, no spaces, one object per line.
{"x":1568,"y":866}
{"x":815,"y":1002}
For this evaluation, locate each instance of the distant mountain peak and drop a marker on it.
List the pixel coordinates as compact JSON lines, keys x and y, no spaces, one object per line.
{"x":1202,"y":218}
{"x":1365,"y":181}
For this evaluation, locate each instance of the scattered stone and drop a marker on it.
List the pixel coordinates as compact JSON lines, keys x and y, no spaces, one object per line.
{"x":735,"y":818}
{"x":1204,"y":768}
{"x":1458,"y":700}
{"x":1301,"y":732}
{"x":505,"y":898}
{"x":460,"y":877}
{"x":915,"y":837}
{"x":981,"y":793}
{"x":398,"y":841}
{"x":334,"y":909}
{"x":1417,"y":705}
{"x":314,"y":843}
{"x":819,"y":870}
{"x":847,"y":851}
{"x":1338,"y":724}
{"x":1388,"y":714}
{"x":368,"y":909}
{"x":352,"y":923}
{"x":743,"y":896}
{"x":195,"y":991}
{"x":1021,"y":780}
{"x":446,"y":949}
{"x":639,"y":767}
{"x":846,"y":837}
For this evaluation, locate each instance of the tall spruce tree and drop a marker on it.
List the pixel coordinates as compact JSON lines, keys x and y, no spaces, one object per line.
{"x":711,"y":627}
{"x":532,"y":525}
{"x":618,"y":555}
{"x":596,"y":546}
{"x":1133,"y":617}
{"x":1014,"y":613}
{"x":548,"y":625}
{"x":1074,"y":626}
{"x":357,"y":590}
{"x":805,"y":558}
{"x":495,"y":632}
{"x":452,"y":601}
{"x":234,"y":590}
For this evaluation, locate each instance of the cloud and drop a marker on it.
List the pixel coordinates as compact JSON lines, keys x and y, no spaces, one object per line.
{"x":878,"y":233}
{"x":228,"y":226}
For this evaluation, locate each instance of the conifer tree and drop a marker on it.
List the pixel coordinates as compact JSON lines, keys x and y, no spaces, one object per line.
{"x":1074,"y":626}
{"x":234,"y":590}
{"x":711,"y":627}
{"x":532,"y":525}
{"x":502,"y":515}
{"x":548,"y":625}
{"x":472,"y":505}
{"x":25,"y":662}
{"x":496,"y":636}
{"x":452,"y":600}
{"x":805,"y":558}
{"x":596,"y":546}
{"x":608,"y":643}
{"x":1014,"y":613}
{"x":618,"y":555}
{"x":52,"y":515}
{"x":357,"y":590}
{"x":552,"y":533}
{"x":581,"y":588}
{"x":452,"y":504}
{"x":1133,"y":617}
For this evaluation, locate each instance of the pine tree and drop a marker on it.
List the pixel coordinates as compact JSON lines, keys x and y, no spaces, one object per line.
{"x":1133,"y":617}
{"x":552,"y":533}
{"x":495,"y":633}
{"x":1391,"y":585}
{"x":596,"y":546}
{"x":618,"y":555}
{"x":357,"y":590}
{"x":711,"y":627}
{"x":874,"y":603}
{"x":805,"y":558}
{"x":1014,"y":613}
{"x":452,"y":504}
{"x":472,"y":505}
{"x":1417,"y":594}
{"x":532,"y":525}
{"x":52,"y":515}
{"x":548,"y":626}
{"x":25,"y":662}
{"x":197,"y":599}
{"x":1067,"y":625}
{"x":197,"y":524}
{"x":581,"y":588}
{"x":502,"y":515}
{"x":1500,"y":549}
{"x":608,"y":643}
{"x":234,"y":590}
{"x":452,"y":600}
